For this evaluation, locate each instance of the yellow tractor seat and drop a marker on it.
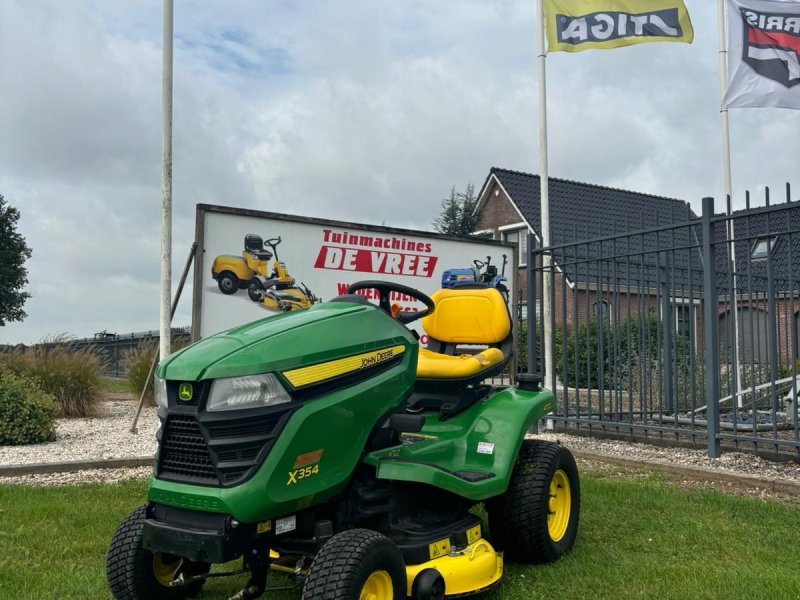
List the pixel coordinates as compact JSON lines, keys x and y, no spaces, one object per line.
{"x":470,"y":335}
{"x":470,"y":339}
{"x":432,"y":365}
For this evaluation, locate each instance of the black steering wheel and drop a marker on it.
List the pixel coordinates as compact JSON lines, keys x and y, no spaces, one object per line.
{"x":384,"y":287}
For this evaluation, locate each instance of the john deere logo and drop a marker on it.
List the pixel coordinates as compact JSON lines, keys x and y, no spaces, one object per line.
{"x":185,"y":392}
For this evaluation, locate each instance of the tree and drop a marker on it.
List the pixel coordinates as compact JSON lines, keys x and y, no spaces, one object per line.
{"x":13,"y":274}
{"x":458,"y":216}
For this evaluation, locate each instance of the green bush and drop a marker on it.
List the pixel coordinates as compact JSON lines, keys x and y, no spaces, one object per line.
{"x":622,"y":350}
{"x":27,"y":413}
{"x":70,"y":374}
{"x":136,"y":364}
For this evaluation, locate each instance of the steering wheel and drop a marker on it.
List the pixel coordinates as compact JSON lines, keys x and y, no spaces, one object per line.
{"x":384,"y":287}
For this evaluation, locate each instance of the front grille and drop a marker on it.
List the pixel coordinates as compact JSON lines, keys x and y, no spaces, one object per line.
{"x":260,"y":427}
{"x":218,"y":449}
{"x":184,"y":452}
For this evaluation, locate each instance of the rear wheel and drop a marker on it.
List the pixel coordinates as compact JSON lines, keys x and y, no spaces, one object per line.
{"x":134,"y":573}
{"x":358,"y":564}
{"x":228,"y":283}
{"x":536,"y":520}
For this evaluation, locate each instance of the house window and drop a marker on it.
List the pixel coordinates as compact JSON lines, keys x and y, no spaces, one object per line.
{"x":602,"y":310}
{"x":523,"y":310}
{"x":520,"y":238}
{"x":683,"y":320}
{"x":762,"y":247}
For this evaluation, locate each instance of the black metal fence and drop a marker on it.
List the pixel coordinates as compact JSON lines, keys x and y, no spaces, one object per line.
{"x":111,"y":347}
{"x":681,"y":332}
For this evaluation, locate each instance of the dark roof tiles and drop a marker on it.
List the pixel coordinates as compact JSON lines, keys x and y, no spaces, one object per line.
{"x":589,"y":209}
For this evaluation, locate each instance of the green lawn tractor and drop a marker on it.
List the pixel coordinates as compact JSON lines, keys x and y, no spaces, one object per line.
{"x":326,"y":444}
{"x":276,"y":290}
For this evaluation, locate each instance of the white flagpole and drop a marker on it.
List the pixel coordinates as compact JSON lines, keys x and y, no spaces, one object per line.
{"x":728,"y":182}
{"x":166,"y":184}
{"x":544,"y":193}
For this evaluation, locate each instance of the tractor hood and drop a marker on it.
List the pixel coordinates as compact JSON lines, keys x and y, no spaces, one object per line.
{"x":288,"y":341}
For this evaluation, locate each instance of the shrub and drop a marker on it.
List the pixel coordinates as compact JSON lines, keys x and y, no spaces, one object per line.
{"x":632,"y":343}
{"x":72,"y":375}
{"x":27,"y":413}
{"x":136,"y":364}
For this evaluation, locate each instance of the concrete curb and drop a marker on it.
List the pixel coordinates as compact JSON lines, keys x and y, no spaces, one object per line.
{"x":74,"y":466}
{"x":697,"y":473}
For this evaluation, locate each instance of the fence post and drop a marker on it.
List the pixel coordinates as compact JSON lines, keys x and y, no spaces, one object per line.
{"x":531,"y":297}
{"x":772,"y":330}
{"x":711,"y":329}
{"x":668,"y":331}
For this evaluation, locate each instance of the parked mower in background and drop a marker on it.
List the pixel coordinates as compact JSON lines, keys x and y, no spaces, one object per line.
{"x":276,"y":290}
{"x":327,"y":445}
{"x":484,"y":273}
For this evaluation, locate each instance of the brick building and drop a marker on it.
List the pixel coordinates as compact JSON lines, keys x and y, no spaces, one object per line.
{"x":509,"y":207}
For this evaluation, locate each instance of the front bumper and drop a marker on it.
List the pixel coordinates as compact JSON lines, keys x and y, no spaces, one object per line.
{"x":198,"y":536}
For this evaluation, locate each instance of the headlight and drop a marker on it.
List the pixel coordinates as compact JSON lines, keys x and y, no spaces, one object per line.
{"x":160,"y":391}
{"x":253,"y":391}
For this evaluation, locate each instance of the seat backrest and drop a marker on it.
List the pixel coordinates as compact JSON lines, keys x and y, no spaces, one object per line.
{"x":468,"y":316}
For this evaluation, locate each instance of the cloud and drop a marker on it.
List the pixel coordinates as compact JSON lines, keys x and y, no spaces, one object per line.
{"x":364,"y":111}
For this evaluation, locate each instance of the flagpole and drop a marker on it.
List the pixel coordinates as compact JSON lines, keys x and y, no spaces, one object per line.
{"x":166,"y":184}
{"x":728,"y":183}
{"x":544,"y":194}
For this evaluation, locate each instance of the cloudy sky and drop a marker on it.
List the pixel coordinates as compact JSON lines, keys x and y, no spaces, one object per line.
{"x":360,"y":110}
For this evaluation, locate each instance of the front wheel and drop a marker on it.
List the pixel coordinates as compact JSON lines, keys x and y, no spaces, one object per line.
{"x":134,"y":573}
{"x":536,"y":519}
{"x":255,"y":291}
{"x":358,"y":564}
{"x":228,"y":283}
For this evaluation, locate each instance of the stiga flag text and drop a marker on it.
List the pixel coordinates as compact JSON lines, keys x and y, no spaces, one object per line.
{"x":763,"y":54}
{"x":576,"y":25}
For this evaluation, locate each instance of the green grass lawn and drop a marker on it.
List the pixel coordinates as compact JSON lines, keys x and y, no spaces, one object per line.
{"x":640,"y":538}
{"x":110,"y":384}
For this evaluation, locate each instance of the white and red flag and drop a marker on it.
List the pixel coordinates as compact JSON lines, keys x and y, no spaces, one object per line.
{"x":763,"y":54}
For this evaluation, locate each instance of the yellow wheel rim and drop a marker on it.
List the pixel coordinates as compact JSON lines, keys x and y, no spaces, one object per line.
{"x":165,"y":570}
{"x":378,"y":586}
{"x":559,"y":506}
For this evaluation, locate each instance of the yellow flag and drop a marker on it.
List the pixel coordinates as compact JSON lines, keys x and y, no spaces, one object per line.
{"x":577,"y":25}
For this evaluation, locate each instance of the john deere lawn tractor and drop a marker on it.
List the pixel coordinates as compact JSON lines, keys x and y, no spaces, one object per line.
{"x":276,"y":290}
{"x":328,"y":445}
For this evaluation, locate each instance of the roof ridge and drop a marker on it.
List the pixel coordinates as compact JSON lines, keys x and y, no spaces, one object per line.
{"x":593,"y":185}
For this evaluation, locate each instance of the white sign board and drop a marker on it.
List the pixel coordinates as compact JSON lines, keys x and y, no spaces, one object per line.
{"x":324,"y":257}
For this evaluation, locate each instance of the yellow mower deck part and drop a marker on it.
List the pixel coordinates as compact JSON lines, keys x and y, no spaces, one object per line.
{"x":469,"y":571}
{"x":297,"y":300}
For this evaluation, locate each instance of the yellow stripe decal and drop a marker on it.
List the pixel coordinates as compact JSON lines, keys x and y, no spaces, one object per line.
{"x":328,"y":370}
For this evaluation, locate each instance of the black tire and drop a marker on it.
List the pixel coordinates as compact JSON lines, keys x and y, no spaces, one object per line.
{"x":255,"y":291}
{"x":520,"y":521}
{"x":348,"y":560}
{"x":228,"y":283}
{"x":428,"y":585}
{"x":130,"y":568}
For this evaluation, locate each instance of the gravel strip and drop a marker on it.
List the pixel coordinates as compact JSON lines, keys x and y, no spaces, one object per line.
{"x":105,"y":437}
{"x":110,"y":437}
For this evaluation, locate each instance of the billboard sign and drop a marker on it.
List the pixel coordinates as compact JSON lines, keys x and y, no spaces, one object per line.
{"x":251,"y":265}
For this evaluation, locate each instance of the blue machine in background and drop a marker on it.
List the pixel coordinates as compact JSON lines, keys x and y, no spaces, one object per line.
{"x":482,"y":273}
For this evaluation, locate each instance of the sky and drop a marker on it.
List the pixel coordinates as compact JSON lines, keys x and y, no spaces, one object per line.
{"x":368,"y":111}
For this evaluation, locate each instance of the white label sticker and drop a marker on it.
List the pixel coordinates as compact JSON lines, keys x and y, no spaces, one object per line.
{"x":285,"y":524}
{"x":485,"y":448}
